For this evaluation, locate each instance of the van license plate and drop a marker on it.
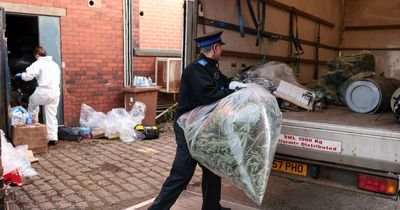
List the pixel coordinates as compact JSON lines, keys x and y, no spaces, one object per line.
{"x":290,"y":167}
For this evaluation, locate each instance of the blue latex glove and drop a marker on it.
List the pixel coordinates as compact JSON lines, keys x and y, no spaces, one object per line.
{"x":18,"y":75}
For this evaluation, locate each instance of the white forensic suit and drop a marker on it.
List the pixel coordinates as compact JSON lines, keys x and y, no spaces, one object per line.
{"x":47,"y":74}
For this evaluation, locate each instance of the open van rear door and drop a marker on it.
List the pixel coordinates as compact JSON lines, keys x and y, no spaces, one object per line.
{"x":4,"y":78}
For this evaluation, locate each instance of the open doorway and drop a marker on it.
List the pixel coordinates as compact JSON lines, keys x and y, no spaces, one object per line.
{"x":22,"y":34}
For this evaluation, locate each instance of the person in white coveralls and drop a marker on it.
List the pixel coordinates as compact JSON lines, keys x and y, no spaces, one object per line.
{"x":47,"y":73}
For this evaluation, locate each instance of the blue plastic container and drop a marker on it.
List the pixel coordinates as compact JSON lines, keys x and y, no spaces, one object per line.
{"x":86,"y":133}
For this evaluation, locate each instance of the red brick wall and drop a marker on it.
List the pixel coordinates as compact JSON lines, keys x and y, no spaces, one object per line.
{"x":92,"y":50}
{"x":144,"y":66}
{"x":161,"y":24}
{"x":160,"y":27}
{"x":135,"y":23}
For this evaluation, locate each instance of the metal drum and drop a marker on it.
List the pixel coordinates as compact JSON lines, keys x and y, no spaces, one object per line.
{"x":371,"y":94}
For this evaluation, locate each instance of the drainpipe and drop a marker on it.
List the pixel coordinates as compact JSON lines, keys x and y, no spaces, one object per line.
{"x":128,"y":50}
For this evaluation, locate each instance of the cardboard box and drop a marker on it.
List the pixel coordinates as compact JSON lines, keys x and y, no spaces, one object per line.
{"x":35,"y":136}
{"x":296,"y":95}
{"x":98,"y":134}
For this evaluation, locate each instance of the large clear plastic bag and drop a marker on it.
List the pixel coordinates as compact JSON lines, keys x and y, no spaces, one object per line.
{"x":18,"y":115}
{"x":236,"y":137}
{"x":15,"y":158}
{"x":116,"y":122}
{"x":120,"y":122}
{"x":92,"y":119}
{"x":137,"y":111}
{"x":269,"y":75}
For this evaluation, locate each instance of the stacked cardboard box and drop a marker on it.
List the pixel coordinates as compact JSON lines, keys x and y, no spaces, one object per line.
{"x":35,"y":136}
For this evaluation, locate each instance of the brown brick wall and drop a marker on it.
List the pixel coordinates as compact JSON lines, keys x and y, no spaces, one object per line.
{"x":92,"y":50}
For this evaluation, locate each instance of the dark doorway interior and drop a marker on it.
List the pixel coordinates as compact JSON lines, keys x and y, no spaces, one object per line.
{"x":22,"y":34}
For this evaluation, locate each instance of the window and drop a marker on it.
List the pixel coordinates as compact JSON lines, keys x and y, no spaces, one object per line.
{"x":168,"y":74}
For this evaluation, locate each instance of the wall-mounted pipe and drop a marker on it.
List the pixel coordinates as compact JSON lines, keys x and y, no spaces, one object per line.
{"x":128,"y":49}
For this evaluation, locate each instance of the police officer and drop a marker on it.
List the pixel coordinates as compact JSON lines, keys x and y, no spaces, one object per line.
{"x":202,"y":83}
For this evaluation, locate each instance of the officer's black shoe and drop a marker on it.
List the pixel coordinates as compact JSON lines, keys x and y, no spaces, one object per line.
{"x":52,"y":142}
{"x":224,"y":208}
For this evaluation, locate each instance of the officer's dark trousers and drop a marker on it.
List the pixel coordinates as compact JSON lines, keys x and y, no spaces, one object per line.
{"x":181,"y":173}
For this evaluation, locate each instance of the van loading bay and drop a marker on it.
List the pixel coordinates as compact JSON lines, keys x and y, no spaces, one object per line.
{"x":104,"y":174}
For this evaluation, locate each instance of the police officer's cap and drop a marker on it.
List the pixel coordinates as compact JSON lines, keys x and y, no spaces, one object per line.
{"x":209,"y":38}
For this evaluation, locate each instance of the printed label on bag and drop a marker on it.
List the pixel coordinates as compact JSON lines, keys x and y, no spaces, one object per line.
{"x":310,"y":143}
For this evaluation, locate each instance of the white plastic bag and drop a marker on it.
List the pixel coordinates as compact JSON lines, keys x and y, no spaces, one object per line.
{"x":18,"y":115}
{"x":117,"y":121}
{"x":15,"y":158}
{"x":236,"y":137}
{"x":120,"y":122}
{"x":92,"y":119}
{"x":269,"y":75}
{"x":137,"y":112}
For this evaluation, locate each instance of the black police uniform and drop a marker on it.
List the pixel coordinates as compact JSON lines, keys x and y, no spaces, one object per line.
{"x":202,"y":83}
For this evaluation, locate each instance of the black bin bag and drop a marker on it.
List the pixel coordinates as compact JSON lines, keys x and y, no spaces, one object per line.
{"x":70,"y":133}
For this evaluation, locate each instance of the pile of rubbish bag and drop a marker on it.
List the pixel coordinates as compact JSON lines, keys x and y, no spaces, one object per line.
{"x":118,"y":121}
{"x":236,"y":137}
{"x":15,"y":162}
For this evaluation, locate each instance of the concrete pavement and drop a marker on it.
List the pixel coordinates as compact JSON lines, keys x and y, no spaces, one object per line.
{"x":105,"y":174}
{"x":98,"y":174}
